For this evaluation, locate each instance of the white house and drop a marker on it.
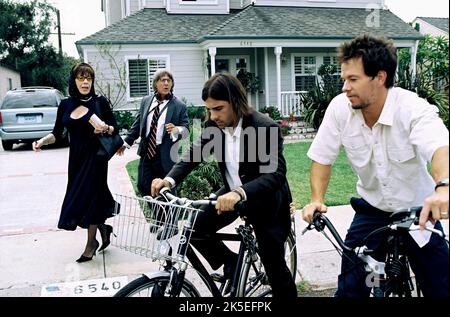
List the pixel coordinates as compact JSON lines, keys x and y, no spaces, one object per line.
{"x":283,"y":42}
{"x":9,"y":79}
{"x":431,"y":26}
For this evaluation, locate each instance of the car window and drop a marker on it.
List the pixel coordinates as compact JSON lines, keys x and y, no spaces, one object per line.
{"x":30,"y":99}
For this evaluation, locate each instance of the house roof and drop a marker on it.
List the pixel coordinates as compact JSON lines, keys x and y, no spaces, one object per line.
{"x":154,"y":26}
{"x":307,"y":23}
{"x":440,"y":23}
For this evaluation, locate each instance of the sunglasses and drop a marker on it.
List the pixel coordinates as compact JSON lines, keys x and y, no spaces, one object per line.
{"x":83,"y":78}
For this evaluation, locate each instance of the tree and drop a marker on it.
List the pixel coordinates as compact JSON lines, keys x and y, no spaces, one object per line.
{"x":432,"y":79}
{"x":24,"y":32}
{"x":24,"y":27}
{"x":110,"y":82}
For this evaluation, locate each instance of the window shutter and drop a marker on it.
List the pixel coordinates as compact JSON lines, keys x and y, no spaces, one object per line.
{"x":153,"y":66}
{"x":138,"y":74}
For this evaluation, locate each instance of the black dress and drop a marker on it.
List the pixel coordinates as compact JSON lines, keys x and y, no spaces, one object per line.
{"x":88,"y":200}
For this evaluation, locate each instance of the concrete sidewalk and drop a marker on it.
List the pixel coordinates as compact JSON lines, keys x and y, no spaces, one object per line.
{"x":31,"y":264}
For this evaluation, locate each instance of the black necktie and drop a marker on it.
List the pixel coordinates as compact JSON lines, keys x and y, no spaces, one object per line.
{"x":151,"y":137}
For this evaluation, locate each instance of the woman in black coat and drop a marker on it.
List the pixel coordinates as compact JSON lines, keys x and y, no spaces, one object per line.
{"x":88,"y":201}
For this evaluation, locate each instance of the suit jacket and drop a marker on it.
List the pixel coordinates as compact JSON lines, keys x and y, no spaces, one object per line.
{"x":176,"y":114}
{"x":263,"y":176}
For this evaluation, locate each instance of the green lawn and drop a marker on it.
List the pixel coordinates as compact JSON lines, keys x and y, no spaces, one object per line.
{"x":342,"y":184}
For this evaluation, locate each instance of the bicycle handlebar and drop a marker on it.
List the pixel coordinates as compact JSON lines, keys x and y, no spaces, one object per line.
{"x":406,"y":219}
{"x":212,"y":201}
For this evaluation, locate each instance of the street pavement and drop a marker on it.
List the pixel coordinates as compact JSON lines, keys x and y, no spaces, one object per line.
{"x":40,"y":259}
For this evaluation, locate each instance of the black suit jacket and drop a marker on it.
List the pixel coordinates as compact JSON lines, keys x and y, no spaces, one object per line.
{"x":263,"y":176}
{"x":176,"y":114}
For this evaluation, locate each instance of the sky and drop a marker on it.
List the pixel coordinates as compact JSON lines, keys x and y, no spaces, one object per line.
{"x":84,"y":17}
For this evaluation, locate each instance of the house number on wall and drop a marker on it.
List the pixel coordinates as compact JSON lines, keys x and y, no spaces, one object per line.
{"x":246,"y":43}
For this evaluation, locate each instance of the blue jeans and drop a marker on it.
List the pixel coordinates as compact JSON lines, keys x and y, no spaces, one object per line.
{"x":430,"y":263}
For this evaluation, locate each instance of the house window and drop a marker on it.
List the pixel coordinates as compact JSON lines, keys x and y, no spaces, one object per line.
{"x":332,"y":60}
{"x":140,"y":75}
{"x":304,"y":72}
{"x":10,"y":86}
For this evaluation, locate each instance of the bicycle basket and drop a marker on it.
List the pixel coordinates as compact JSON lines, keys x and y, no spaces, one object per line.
{"x":153,"y":228}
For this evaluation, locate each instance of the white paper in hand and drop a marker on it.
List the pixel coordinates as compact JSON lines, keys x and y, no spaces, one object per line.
{"x":96,"y":122}
{"x":422,"y":236}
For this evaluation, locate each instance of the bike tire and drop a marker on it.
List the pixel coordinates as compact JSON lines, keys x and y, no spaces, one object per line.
{"x":253,"y":281}
{"x":154,"y":287}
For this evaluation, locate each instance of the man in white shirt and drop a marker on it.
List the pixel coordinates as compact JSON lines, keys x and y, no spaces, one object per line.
{"x":248,"y":147}
{"x":389,"y":134}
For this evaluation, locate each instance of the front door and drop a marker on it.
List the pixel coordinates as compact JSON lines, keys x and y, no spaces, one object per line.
{"x":232,"y":64}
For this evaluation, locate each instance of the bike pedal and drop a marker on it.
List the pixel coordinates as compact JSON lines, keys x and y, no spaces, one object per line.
{"x":216,"y":277}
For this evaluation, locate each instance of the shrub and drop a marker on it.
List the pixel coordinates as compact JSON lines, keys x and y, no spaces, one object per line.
{"x":202,"y":181}
{"x":196,"y":112}
{"x":272,"y":111}
{"x":316,"y":100}
{"x":285,"y":127}
{"x":124,"y":119}
{"x":432,"y":79}
{"x":250,"y":82}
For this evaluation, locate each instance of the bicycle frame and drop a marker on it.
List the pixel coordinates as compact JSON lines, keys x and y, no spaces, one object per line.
{"x":396,"y":268}
{"x":245,"y":254}
{"x":174,"y":250}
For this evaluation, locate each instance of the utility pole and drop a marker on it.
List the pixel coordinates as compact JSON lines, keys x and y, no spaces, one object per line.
{"x":59,"y":32}
{"x":58,"y":26}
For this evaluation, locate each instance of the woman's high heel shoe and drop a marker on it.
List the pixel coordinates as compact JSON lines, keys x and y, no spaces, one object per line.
{"x":87,"y":258}
{"x":105,"y":232}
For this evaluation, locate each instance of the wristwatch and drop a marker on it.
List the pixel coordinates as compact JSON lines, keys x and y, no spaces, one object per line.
{"x":442,"y":182}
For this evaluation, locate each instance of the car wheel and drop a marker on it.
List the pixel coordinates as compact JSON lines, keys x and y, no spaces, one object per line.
{"x":7,"y":145}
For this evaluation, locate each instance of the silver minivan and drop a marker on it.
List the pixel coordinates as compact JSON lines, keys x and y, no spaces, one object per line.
{"x":27,"y":114}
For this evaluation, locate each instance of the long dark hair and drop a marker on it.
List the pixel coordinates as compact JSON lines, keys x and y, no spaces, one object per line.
{"x":226,"y":87}
{"x":82,"y":69}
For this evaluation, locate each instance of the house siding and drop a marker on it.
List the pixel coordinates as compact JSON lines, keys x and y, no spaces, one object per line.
{"x":113,"y":11}
{"x":185,"y":65}
{"x":134,"y":6}
{"x":6,"y":75}
{"x":239,"y":4}
{"x":154,"y":4}
{"x":324,"y":3}
{"x":175,"y":6}
{"x":426,"y":28}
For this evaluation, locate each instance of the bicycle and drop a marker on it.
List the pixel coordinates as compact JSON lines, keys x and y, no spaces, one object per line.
{"x":170,"y":229}
{"x":393,"y":276}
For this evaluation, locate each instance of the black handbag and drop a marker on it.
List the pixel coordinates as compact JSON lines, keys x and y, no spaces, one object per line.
{"x":109,"y":144}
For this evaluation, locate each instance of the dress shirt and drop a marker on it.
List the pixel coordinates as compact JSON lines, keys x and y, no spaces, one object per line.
{"x":232,"y":151}
{"x":389,"y":158}
{"x":161,"y":122}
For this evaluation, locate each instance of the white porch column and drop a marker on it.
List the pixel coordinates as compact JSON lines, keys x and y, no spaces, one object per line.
{"x":212,"y":53}
{"x":413,"y":51}
{"x":256,"y":73}
{"x":278,"y":50}
{"x":266,"y":77}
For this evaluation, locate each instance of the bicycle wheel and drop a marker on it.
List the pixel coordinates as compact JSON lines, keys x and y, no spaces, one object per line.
{"x":253,"y":280}
{"x":154,"y":287}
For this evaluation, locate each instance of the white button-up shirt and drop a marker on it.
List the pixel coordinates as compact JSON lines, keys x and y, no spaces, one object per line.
{"x":232,"y":150}
{"x":161,"y":120}
{"x":389,"y":159}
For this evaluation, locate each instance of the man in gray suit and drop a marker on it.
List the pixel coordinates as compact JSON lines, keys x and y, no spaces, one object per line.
{"x":161,"y":122}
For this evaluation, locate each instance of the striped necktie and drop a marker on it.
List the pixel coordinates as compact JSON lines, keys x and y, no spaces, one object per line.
{"x":151,"y":137}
